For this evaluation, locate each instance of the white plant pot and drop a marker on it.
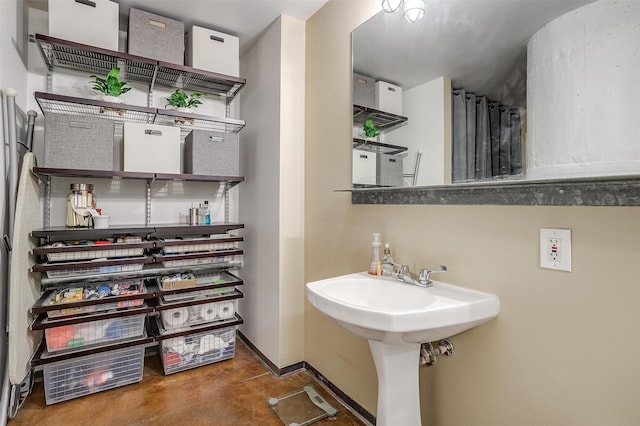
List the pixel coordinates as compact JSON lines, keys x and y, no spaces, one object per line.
{"x":114,"y":99}
{"x":185,"y":109}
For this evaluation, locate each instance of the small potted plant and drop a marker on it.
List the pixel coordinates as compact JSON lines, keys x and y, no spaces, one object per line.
{"x":183,"y":102}
{"x":110,"y":87}
{"x":370,"y":129}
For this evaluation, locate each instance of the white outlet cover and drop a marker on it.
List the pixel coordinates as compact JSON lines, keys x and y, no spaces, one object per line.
{"x":555,"y":249}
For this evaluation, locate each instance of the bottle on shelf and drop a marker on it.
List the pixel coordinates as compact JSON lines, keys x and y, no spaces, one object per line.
{"x":375,"y":265}
{"x":387,"y":261}
{"x":207,"y":213}
{"x":201,"y":218}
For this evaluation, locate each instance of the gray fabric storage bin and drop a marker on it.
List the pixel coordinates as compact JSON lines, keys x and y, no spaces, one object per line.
{"x":75,"y":142}
{"x":389,"y":170}
{"x":156,"y":37}
{"x":364,"y":91}
{"x":211,"y":153}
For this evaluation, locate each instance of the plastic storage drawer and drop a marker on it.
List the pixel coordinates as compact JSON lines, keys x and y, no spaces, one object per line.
{"x":93,"y":333}
{"x":103,"y":292}
{"x":182,"y":318}
{"x":68,"y":379}
{"x":185,"y":352}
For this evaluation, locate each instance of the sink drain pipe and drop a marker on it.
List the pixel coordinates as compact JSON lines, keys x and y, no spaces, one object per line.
{"x":428,"y":352}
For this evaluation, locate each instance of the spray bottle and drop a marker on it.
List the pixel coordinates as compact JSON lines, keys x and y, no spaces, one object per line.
{"x":375,"y":266}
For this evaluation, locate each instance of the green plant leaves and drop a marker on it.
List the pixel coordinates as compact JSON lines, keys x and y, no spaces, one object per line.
{"x":111,"y":86}
{"x":370,"y":129}
{"x":180,"y":99}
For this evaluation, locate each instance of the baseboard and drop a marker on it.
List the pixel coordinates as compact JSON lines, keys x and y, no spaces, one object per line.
{"x":344,"y":398}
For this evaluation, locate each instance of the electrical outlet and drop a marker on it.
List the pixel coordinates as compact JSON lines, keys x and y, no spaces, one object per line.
{"x":555,"y":249}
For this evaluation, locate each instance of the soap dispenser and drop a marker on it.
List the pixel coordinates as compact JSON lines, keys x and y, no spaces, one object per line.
{"x":387,"y":261}
{"x":375,"y":267}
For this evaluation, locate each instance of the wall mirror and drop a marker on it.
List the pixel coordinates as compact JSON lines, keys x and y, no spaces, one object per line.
{"x":497,"y":91}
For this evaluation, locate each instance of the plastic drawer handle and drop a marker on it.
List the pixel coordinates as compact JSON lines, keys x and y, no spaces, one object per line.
{"x":87,"y":2}
{"x":157,"y":23}
{"x":391,"y":89}
{"x":363,"y":156}
{"x":216,"y":38}
{"x":153,"y":132}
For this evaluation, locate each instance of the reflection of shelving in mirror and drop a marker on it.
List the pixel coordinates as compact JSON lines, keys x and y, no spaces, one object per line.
{"x":381,"y":119}
{"x":379,"y":147}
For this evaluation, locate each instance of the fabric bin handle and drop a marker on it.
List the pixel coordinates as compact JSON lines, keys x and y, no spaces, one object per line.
{"x":153,"y":132}
{"x":80,"y":124}
{"x":216,"y":38}
{"x":215,"y":139}
{"x":157,"y":23}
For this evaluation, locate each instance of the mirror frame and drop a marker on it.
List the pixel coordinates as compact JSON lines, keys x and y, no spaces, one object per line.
{"x":590,"y":191}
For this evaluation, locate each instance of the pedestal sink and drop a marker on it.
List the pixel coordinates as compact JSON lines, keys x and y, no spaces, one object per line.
{"x":396,"y":318}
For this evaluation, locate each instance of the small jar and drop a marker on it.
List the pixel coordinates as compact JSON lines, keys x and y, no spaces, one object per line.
{"x":79,"y":202}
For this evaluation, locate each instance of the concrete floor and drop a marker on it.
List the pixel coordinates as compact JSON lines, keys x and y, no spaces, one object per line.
{"x":228,"y":393}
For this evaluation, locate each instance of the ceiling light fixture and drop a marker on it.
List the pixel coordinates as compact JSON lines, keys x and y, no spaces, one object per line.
{"x":391,"y":6}
{"x":413,"y":9}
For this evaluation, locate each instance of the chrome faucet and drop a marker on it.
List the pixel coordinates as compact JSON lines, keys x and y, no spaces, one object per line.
{"x":422,"y":279}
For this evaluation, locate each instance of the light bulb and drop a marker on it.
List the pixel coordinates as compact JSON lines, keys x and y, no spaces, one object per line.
{"x":413,"y":10}
{"x":391,"y":6}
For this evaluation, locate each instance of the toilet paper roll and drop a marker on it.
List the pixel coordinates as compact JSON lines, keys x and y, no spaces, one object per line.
{"x":175,"y":317}
{"x":208,"y":311}
{"x":225,"y":310}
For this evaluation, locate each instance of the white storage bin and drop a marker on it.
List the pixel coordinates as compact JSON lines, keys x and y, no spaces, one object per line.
{"x":185,"y":352}
{"x":92,"y":22}
{"x":388,"y":97}
{"x":213,"y":51}
{"x":154,"y":36}
{"x":151,"y":148}
{"x":94,"y":333}
{"x":73,"y":378}
{"x":364,"y":167}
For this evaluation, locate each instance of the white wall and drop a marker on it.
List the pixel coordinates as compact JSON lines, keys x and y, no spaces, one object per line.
{"x":582,"y":93}
{"x":271,"y":199}
{"x":428,"y":108}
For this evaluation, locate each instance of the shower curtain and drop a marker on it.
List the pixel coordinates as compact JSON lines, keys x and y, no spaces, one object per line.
{"x":485,"y":138}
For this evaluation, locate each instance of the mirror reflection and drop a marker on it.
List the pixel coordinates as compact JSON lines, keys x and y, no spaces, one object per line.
{"x":492,"y":90}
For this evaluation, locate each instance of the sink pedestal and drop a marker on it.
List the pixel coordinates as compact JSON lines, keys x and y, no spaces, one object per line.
{"x":398,"y":383}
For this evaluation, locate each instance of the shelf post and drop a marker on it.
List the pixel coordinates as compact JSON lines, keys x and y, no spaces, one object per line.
{"x":46,"y":213}
{"x":147,"y":221}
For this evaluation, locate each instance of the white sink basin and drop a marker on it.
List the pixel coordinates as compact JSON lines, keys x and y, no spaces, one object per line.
{"x":393,"y":312}
{"x":396,"y":318}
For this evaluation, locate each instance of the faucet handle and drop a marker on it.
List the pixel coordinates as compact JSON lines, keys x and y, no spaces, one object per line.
{"x":426,"y":273}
